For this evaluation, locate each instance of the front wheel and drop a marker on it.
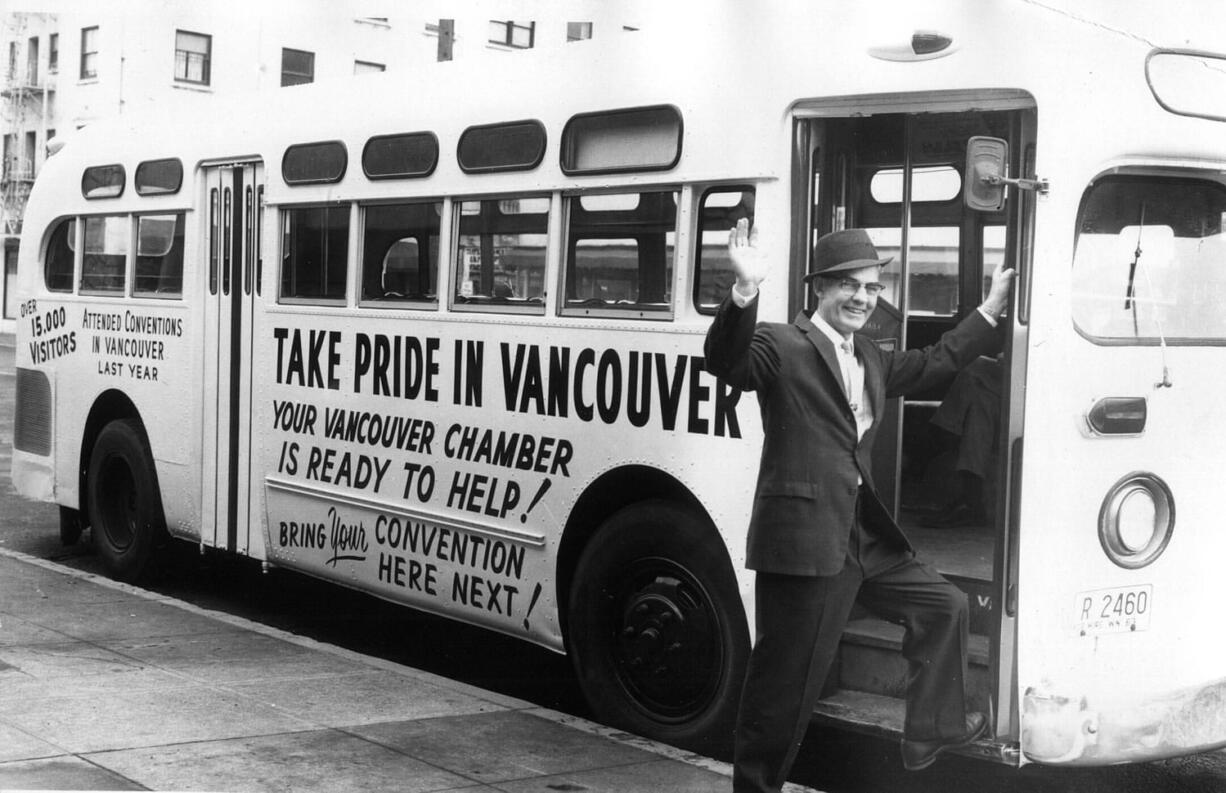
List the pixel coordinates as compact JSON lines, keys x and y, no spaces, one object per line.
{"x":125,"y":507}
{"x":657,"y":630}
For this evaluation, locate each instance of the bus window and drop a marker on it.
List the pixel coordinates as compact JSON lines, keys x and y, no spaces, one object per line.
{"x":315,"y":243}
{"x":718,"y":212}
{"x":104,"y":263}
{"x":1147,"y":263}
{"x":500,"y":253}
{"x":934,"y":268}
{"x":400,"y":252}
{"x":159,"y":255}
{"x":620,"y":253}
{"x":57,"y":267}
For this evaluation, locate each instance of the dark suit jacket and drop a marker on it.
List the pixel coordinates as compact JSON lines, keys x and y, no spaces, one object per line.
{"x":805,"y":500}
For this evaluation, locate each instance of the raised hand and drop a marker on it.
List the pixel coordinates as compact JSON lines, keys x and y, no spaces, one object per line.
{"x":998,"y":295}
{"x":748,"y":263}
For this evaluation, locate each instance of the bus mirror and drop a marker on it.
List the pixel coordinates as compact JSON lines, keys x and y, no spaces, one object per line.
{"x":983,"y":187}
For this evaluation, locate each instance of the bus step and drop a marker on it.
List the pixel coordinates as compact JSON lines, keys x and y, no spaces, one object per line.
{"x":870,"y":660}
{"x":881,"y":716}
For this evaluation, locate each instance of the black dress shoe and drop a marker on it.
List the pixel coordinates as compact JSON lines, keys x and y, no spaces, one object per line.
{"x":917,"y":755}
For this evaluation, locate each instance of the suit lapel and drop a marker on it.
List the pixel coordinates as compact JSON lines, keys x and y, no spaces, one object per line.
{"x":825,"y":350}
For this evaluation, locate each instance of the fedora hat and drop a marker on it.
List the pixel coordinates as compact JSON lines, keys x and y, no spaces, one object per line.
{"x":839,"y":251}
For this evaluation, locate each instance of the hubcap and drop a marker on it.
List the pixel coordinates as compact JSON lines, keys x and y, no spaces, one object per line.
{"x":668,"y":649}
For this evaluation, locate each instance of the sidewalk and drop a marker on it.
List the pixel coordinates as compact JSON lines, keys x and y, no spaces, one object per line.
{"x":104,"y":686}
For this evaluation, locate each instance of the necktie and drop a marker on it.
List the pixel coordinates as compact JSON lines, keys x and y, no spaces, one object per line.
{"x":848,"y":360}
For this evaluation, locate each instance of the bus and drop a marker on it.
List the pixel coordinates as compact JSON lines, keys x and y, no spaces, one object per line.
{"x":439,"y":339}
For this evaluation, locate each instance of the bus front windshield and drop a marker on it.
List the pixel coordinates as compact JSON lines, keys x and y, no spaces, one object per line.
{"x":1150,"y":261}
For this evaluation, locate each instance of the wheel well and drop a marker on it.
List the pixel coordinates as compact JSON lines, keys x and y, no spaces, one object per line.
{"x":109,"y":406}
{"x":612,"y":491}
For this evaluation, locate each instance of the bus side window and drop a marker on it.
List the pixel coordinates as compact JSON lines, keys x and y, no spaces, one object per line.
{"x":159,"y":255}
{"x":104,"y":263}
{"x":620,"y":251}
{"x":400,"y":252}
{"x":500,"y":254}
{"x":718,"y":212}
{"x":57,"y":267}
{"x":314,"y":250}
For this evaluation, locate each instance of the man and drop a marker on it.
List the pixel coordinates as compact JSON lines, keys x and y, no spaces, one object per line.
{"x":819,"y":537}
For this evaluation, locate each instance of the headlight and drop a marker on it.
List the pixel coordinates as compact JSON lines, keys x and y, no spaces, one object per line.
{"x":1136,"y":520}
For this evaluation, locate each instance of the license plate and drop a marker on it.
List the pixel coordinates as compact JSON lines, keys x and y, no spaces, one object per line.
{"x":1115,"y":610}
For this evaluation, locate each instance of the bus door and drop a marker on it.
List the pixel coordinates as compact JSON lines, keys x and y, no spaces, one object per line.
{"x":898,"y":174}
{"x":232,"y":200}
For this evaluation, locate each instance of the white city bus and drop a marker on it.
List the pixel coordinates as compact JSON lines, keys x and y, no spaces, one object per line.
{"x":438,"y":338}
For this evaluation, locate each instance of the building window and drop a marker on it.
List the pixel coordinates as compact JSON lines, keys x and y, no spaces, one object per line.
{"x":193,"y":57}
{"x":89,"y":53}
{"x":53,"y":54}
{"x":578,"y":31}
{"x":367,"y":67}
{"x":32,"y":60}
{"x":297,"y":67}
{"x":509,"y":34}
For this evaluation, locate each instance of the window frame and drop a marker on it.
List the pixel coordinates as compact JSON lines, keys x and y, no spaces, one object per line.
{"x":509,"y":26}
{"x":73,"y":242}
{"x":638,"y":310}
{"x":296,"y":300}
{"x":125,"y":289}
{"x":424,"y":303}
{"x":502,"y":167}
{"x":180,"y":226}
{"x":207,"y":60}
{"x":122,"y":184}
{"x":700,"y":196}
{"x":310,"y":76}
{"x":488,"y":304}
{"x":1138,"y":174}
{"x":89,"y":38}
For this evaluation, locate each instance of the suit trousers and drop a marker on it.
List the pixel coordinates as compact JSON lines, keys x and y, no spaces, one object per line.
{"x":800,"y":620}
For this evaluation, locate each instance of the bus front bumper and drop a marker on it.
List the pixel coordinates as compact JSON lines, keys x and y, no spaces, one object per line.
{"x":1062,"y":729}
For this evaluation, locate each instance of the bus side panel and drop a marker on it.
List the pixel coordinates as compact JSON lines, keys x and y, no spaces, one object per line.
{"x":436,"y":462}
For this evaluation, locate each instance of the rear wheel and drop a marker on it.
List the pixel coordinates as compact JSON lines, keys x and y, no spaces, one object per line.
{"x":125,"y":507}
{"x":657,"y":631}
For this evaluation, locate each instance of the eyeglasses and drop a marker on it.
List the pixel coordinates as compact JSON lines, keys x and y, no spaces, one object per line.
{"x":850,"y":286}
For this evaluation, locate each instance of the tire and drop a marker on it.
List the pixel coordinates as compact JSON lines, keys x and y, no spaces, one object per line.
{"x":656,"y":627}
{"x":125,"y":506}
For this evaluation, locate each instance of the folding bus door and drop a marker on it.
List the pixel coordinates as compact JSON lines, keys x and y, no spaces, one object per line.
{"x":233,"y":192}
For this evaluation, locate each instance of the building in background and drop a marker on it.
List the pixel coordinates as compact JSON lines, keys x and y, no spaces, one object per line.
{"x":92,"y":61}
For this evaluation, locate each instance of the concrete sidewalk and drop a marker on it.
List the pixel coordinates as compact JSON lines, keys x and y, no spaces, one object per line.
{"x":105,"y":686}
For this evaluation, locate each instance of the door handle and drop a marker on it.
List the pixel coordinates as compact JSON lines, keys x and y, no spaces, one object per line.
{"x":1118,"y":416}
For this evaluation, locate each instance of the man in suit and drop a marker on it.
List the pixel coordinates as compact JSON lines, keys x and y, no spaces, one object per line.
{"x":819,"y":537}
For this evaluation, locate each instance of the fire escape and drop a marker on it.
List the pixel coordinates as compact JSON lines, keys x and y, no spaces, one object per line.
{"x":26,"y":96}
